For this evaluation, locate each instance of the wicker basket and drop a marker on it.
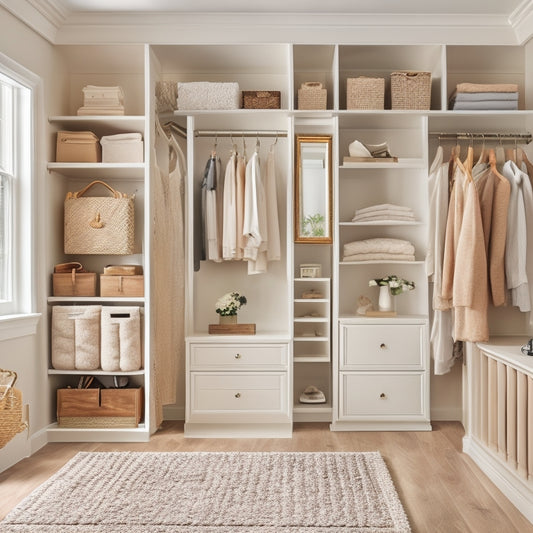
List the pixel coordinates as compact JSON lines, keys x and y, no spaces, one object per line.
{"x":410,"y":90}
{"x":261,"y":99}
{"x":311,"y":95}
{"x":11,"y":421}
{"x":365,"y":93}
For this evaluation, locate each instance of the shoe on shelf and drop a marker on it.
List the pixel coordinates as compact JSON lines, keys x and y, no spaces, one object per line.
{"x":312,"y":395}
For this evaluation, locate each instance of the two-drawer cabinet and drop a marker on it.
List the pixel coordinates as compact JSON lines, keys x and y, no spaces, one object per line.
{"x":383,"y":377}
{"x":237,"y":388}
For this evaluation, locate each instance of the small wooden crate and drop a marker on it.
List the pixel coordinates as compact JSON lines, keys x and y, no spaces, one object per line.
{"x":365,"y":93}
{"x":128,"y":286}
{"x":74,"y":284}
{"x":99,"y":408}
{"x":231,"y":329}
{"x":261,"y":99}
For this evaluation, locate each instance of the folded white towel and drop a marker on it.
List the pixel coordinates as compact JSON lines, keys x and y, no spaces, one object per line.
{"x":476,"y":97}
{"x":487,"y":105}
{"x":379,"y":245}
{"x":378,"y":257}
{"x":384,"y":213}
{"x":381,"y":207}
{"x":383,"y":218}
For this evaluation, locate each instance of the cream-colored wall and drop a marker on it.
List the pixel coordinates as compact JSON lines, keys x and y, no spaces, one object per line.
{"x":28,"y":355}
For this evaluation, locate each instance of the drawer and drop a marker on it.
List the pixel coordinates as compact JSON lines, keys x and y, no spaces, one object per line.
{"x":381,"y":394}
{"x":238,"y":393}
{"x":381,"y":346}
{"x":238,"y":356}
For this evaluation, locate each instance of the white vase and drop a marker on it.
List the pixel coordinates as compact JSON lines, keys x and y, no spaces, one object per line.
{"x":385,"y":302}
{"x":230,"y":319}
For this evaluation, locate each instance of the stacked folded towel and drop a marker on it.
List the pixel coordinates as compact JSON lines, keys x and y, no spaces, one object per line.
{"x":384,"y":212}
{"x":379,"y":249}
{"x":485,"y":96}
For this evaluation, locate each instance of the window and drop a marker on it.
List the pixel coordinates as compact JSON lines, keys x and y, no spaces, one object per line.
{"x":16,"y":155}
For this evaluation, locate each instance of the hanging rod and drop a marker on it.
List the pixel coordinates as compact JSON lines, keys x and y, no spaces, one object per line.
{"x":243,"y":133}
{"x":524,"y":137}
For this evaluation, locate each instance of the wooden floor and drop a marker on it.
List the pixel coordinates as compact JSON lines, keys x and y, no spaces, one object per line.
{"x":442,"y":490}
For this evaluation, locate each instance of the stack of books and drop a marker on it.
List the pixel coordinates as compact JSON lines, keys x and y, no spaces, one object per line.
{"x":102,"y":101}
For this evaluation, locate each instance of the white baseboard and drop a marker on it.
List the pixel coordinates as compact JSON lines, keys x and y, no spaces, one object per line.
{"x":38,"y":440}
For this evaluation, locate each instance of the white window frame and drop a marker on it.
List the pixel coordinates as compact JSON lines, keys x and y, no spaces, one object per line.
{"x":19,"y":309}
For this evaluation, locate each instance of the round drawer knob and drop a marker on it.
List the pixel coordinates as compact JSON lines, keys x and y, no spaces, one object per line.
{"x":238,"y":356}
{"x":238,"y":395}
{"x":382,"y":395}
{"x":382,"y":345}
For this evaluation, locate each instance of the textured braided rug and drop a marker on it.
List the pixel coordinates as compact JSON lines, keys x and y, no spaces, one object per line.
{"x":214,"y":492}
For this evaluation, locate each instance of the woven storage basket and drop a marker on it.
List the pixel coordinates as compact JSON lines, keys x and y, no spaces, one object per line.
{"x":99,"y":225}
{"x":11,"y":421}
{"x":410,"y":90}
{"x":166,"y":96}
{"x":365,"y":93}
{"x":261,"y":99}
{"x":311,"y":95}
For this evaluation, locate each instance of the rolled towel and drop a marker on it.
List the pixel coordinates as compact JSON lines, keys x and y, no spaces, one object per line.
{"x":379,"y":245}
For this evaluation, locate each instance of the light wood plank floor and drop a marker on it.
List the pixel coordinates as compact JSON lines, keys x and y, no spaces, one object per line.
{"x":441,"y":488}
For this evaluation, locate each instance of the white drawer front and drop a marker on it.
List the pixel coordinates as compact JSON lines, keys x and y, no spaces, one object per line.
{"x":245,"y":393}
{"x":382,"y":394}
{"x":382,"y":347}
{"x":238,"y":356}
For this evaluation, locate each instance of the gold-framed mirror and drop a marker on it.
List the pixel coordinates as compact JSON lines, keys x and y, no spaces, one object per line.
{"x":313,"y":190}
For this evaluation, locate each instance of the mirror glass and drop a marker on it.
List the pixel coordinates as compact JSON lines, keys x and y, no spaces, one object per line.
{"x":312,"y":194}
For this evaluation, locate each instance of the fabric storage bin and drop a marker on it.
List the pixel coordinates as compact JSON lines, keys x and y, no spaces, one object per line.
{"x":261,"y":99}
{"x":122,"y":148}
{"x":121,"y":339}
{"x":365,"y":93}
{"x":127,"y":286}
{"x":410,"y":90}
{"x":74,"y":330}
{"x":311,"y":95}
{"x":208,"y":95}
{"x":97,"y":95}
{"x":74,"y":284}
{"x":94,"y":408}
{"x":77,"y":147}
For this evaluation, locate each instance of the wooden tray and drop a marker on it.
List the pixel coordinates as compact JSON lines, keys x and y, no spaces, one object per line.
{"x":381,"y":313}
{"x":348,"y":159}
{"x":232,"y":329}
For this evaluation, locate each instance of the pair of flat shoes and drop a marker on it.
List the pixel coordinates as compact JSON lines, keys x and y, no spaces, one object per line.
{"x":312,"y":395}
{"x":358,"y":149}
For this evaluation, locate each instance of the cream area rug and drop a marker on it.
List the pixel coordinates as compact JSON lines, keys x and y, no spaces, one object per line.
{"x":214,"y":492}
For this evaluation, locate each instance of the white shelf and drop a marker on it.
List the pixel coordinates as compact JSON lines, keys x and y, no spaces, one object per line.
{"x":347,"y":263}
{"x":311,"y":407}
{"x":402,"y":163}
{"x":58,"y":434}
{"x":312,"y":279}
{"x":129,"y":122}
{"x":96,"y":299}
{"x":382,"y":223}
{"x":311,"y":339}
{"x":53,"y":371}
{"x":311,"y":300}
{"x":130,"y":171}
{"x":310,"y":319}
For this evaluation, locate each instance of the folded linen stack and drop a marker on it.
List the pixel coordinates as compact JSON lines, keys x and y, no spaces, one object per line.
{"x":384,"y":212}
{"x":102,"y":101}
{"x":379,"y":249}
{"x":485,"y":96}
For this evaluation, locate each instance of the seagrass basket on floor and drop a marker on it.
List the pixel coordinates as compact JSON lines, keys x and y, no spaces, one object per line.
{"x":11,"y":421}
{"x":365,"y":93}
{"x":410,"y":90}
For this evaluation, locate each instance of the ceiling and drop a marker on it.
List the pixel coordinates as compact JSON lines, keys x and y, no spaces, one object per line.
{"x":295,"y":21}
{"x":496,"y":7}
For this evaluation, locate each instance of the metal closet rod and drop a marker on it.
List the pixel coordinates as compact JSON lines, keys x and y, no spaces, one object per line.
{"x":240,"y":133}
{"x":524,"y":137}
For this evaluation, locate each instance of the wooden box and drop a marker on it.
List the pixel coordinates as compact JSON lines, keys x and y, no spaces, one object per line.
{"x":261,"y":99}
{"x":231,"y":329}
{"x":78,"y":147}
{"x":130,"y":286}
{"x":74,"y":284}
{"x":99,"y":408}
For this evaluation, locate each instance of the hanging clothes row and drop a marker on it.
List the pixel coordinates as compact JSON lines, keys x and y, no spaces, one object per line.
{"x":239,"y":218}
{"x":168,"y":274}
{"x":480,"y":231}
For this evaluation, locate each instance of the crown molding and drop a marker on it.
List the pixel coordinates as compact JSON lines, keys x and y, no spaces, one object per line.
{"x":521,"y":20}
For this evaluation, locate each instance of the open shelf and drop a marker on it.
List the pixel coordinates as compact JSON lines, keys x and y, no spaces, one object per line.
{"x":53,"y":371}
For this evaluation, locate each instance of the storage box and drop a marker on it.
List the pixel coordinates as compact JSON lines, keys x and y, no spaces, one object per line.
{"x":74,"y":284}
{"x":261,"y":99}
{"x":122,"y":270}
{"x":365,"y":93}
{"x":99,"y":408}
{"x":208,"y":95}
{"x":410,"y":90}
{"x":311,"y":95}
{"x":122,"y":148}
{"x":97,"y":95}
{"x":77,"y":147}
{"x":310,"y":270}
{"x":130,"y":286}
